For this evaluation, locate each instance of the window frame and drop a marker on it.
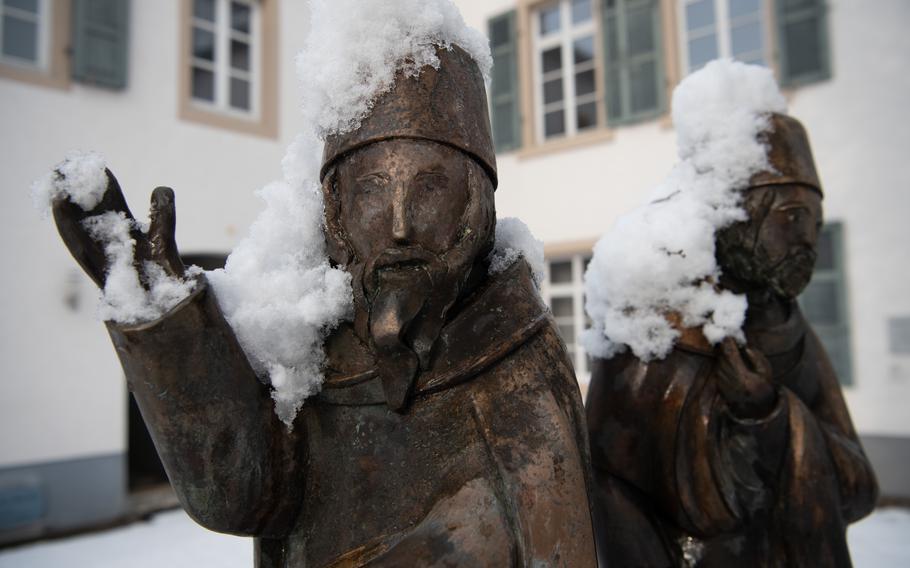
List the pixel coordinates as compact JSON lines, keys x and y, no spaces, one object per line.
{"x":55,"y":71}
{"x":262,"y":118}
{"x":579,"y":254}
{"x":43,"y":20}
{"x":565,"y":39}
{"x":723,"y":27}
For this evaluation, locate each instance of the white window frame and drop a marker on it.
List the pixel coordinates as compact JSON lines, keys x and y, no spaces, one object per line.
{"x":565,"y":38}
{"x":43,"y":19}
{"x":723,"y":30}
{"x":575,"y":290}
{"x":221,"y":67}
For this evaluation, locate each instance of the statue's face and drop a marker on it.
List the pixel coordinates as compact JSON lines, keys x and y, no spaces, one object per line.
{"x":403,"y":200}
{"x":776,"y":247}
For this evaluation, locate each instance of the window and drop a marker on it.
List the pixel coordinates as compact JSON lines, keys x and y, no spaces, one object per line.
{"x":825,"y":303}
{"x":711,"y":29}
{"x":224,"y":55}
{"x":563,"y":291}
{"x":505,"y":111}
{"x":23,"y":32}
{"x":802,"y":29}
{"x":567,"y":89}
{"x":229,"y":65}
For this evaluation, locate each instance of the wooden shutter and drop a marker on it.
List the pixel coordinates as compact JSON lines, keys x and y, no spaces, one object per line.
{"x":633,"y":60}
{"x":825,"y":301}
{"x":802,"y":41}
{"x":100,"y":42}
{"x":505,"y":111}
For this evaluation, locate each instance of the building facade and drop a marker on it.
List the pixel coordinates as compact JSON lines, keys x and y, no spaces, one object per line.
{"x":201,"y":96}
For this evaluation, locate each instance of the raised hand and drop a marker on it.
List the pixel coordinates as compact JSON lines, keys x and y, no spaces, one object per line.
{"x":744,"y":380}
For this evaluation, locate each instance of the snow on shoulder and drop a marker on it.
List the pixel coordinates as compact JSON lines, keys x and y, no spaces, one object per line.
{"x":278,"y":291}
{"x":658,"y":261}
{"x":514,"y":240}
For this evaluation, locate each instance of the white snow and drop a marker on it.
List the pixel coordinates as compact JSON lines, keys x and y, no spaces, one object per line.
{"x":172,"y":540}
{"x":659,"y":260}
{"x":80,"y":177}
{"x":124,"y":299}
{"x":513,"y":241}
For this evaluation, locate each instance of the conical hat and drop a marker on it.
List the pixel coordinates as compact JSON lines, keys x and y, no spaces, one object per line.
{"x":789,"y":154}
{"x":446,"y":105}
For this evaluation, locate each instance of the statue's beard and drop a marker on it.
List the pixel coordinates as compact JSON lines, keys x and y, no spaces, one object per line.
{"x":407,"y":294}
{"x":789,"y":277}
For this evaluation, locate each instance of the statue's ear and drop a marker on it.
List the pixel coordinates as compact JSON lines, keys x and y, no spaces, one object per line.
{"x":336,"y":241}
{"x":480,"y":214}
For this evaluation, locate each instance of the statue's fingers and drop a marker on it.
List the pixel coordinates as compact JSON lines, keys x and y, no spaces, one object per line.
{"x":69,"y":219}
{"x":162,"y":229}
{"x":113,"y":199}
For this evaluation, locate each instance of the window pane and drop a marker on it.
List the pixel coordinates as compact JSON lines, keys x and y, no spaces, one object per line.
{"x":240,"y":55}
{"x":203,"y":44}
{"x":700,"y":14}
{"x":203,"y":84}
{"x":820,"y":303}
{"x":240,"y":17}
{"x":20,"y":38}
{"x":581,"y":11}
{"x":552,"y":59}
{"x":25,"y":5}
{"x":552,"y":91}
{"x":567,"y":332}
{"x":549,"y":20}
{"x":584,"y":83}
{"x":554,"y":123}
{"x":701,"y":51}
{"x":825,"y":248}
{"x":792,"y":5}
{"x":612,"y":35}
{"x":587,"y":116}
{"x":744,"y":7}
{"x":583,"y":49}
{"x":561,"y":272}
{"x":643,"y":86}
{"x":640,"y":30}
{"x":803,"y":47}
{"x":746,"y":38}
{"x":204,"y":9}
{"x":502,"y":75}
{"x":503,"y":134}
{"x":563,"y":307}
{"x":240,"y":94}
{"x":499,"y":32}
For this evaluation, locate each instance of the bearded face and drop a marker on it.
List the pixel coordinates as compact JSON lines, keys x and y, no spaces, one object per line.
{"x":413,"y":221}
{"x":776,"y":248}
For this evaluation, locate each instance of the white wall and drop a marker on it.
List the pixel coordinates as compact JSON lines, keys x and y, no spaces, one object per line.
{"x":859,"y":124}
{"x":61,"y":389}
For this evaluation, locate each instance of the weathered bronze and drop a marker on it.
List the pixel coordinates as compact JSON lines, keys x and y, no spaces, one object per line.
{"x":733,"y":456}
{"x":449,"y":431}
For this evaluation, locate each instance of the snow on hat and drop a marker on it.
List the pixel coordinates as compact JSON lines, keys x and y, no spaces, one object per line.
{"x":447,"y":105}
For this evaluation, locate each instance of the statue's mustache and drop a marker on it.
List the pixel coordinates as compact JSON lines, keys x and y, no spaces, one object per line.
{"x":399,"y":258}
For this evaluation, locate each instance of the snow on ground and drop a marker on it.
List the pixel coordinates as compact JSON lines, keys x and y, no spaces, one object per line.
{"x":172,"y":540}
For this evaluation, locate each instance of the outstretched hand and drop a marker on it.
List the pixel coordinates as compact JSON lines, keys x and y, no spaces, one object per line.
{"x":744,"y":380}
{"x":157,"y":246}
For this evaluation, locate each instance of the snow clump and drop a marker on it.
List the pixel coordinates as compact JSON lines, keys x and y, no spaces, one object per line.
{"x":514,"y":240}
{"x":81,"y":177}
{"x":124,"y":300}
{"x":658,"y":261}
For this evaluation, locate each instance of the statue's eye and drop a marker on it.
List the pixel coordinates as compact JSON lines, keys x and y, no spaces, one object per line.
{"x":431,"y":182}
{"x":370,"y":184}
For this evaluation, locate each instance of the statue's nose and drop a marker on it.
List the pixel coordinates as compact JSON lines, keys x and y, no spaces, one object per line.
{"x":401,"y":226}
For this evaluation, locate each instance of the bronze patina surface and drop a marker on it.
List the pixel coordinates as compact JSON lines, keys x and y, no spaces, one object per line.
{"x":736,"y":456}
{"x":449,"y":431}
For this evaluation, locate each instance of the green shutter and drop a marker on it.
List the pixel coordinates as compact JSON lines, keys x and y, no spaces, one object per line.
{"x":825,"y":302}
{"x":802,"y":32}
{"x":505,"y":111}
{"x":100,"y":42}
{"x":633,"y":60}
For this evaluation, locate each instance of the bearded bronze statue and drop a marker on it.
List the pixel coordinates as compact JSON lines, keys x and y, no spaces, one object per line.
{"x":736,"y":456}
{"x":449,"y":430}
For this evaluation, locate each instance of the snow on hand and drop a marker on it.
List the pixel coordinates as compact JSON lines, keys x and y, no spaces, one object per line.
{"x":80,"y":177}
{"x":659,"y":259}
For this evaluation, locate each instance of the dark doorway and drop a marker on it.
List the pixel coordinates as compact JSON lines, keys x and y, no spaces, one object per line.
{"x":145,"y":469}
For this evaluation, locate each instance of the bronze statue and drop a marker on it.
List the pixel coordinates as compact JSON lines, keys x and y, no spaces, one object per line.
{"x":449,"y":431}
{"x":736,"y":456}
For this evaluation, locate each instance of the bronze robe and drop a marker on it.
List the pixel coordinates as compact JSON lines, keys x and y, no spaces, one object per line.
{"x":487,"y":467}
{"x":681,"y":482}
